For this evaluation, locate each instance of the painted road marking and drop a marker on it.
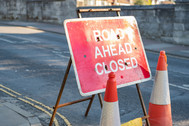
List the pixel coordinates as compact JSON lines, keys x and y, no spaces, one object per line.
{"x":10,"y":90}
{"x":181,"y":87}
{"x":24,"y":40}
{"x":18,"y":39}
{"x":39,"y":108}
{"x":6,"y":40}
{"x":168,"y":54}
{"x":47,"y":107}
{"x":186,"y":85}
{"x":21,"y":99}
{"x":177,"y":86}
{"x":27,"y":100}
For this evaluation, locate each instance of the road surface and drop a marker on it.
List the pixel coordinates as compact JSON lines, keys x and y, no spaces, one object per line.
{"x":33,"y":63}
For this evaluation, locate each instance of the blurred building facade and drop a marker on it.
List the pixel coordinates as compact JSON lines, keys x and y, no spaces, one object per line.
{"x":81,"y":3}
{"x":168,"y":23}
{"x":155,"y":2}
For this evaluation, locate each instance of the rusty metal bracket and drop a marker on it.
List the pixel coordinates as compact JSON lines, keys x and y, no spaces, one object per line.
{"x":99,"y":10}
{"x":143,"y":105}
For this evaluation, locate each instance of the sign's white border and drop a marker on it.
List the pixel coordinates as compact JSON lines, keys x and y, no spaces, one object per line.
{"x":73,"y":60}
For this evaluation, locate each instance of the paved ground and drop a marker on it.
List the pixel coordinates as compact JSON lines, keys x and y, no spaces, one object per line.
{"x":21,"y":117}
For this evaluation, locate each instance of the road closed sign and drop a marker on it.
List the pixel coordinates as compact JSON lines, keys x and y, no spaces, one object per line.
{"x":99,"y":46}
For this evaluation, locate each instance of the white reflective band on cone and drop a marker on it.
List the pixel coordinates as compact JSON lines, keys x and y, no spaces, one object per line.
{"x":160,"y":93}
{"x":110,"y":114}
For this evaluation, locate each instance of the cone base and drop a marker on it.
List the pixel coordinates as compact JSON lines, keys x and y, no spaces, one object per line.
{"x":110,"y":114}
{"x":160,"y":115}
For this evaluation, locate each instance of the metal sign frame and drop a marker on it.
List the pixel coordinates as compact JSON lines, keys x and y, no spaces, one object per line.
{"x":57,"y":105}
{"x":123,"y":48}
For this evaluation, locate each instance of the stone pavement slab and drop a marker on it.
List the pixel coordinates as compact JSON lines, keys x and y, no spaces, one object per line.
{"x":37,"y":25}
{"x":9,"y":117}
{"x":171,"y":49}
{"x":12,"y":115}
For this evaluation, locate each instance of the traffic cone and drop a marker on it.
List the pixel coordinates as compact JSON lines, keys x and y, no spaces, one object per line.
{"x":110,"y":111}
{"x":160,"y":104}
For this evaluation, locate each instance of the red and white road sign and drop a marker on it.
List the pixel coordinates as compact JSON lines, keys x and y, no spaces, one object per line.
{"x":99,"y":46}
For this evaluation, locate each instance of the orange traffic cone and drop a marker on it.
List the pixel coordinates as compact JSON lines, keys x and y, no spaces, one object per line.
{"x":110,"y":111}
{"x":160,"y":105}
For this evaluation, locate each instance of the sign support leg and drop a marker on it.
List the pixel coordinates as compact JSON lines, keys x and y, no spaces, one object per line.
{"x":89,"y":106}
{"x":100,"y":99}
{"x":57,"y":105}
{"x":90,"y":103}
{"x":60,"y":92}
{"x":142,"y":104}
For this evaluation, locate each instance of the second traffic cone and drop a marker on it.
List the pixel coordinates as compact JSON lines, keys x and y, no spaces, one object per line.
{"x":110,"y":111}
{"x":160,"y":105}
